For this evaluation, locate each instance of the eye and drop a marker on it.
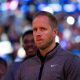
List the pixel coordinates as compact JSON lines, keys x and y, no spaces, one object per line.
{"x":43,"y":29}
{"x":34,"y":29}
{"x":25,"y":41}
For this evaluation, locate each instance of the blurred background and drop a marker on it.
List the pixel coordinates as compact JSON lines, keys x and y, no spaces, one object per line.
{"x":15,"y":15}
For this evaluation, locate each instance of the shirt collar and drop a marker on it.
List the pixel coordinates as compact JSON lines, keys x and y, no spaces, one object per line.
{"x":50,"y":53}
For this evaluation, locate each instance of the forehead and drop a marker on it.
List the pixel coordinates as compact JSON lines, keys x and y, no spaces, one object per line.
{"x":28,"y":36}
{"x":41,"y":18}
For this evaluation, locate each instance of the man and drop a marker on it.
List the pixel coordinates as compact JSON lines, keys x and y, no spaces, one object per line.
{"x":29,"y":47}
{"x":51,"y":62}
{"x":28,"y":42}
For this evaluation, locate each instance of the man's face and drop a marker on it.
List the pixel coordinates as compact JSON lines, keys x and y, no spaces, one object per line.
{"x":28,"y":44}
{"x":42,"y":32}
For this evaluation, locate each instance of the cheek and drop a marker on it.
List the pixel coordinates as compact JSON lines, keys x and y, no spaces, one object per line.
{"x":24,"y":46}
{"x":48,"y":35}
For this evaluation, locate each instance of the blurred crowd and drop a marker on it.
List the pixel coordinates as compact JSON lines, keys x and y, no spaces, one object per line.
{"x":69,"y":35}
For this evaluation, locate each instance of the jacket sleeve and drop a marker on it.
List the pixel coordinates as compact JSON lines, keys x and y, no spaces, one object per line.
{"x":72,"y":68}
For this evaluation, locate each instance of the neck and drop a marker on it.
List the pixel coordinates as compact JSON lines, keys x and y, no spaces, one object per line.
{"x":48,"y":49}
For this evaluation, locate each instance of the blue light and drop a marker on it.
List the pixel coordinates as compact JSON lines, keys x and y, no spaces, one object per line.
{"x":25,"y":0}
{"x":78,"y":21}
{"x":78,"y":6}
{"x":63,"y":43}
{"x":40,"y":6}
{"x":56,"y":7}
{"x":24,"y":8}
{"x":76,"y":51}
{"x":64,"y":1}
{"x":69,"y":8}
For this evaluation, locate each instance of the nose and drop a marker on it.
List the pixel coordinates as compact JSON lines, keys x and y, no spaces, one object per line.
{"x":38,"y":32}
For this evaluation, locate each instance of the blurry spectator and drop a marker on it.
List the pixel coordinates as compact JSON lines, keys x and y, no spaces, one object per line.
{"x":3,"y":35}
{"x":3,"y":68}
{"x":28,"y":41}
{"x":28,"y":44}
{"x":13,"y":37}
{"x":9,"y":22}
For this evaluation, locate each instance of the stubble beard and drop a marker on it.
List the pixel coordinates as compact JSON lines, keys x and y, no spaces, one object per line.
{"x":46,"y":45}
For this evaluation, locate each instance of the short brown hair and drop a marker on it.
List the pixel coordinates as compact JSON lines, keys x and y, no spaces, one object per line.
{"x":53,"y":20}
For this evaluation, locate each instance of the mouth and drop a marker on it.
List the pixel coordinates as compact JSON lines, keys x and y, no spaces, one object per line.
{"x":38,"y":39}
{"x":29,"y":50}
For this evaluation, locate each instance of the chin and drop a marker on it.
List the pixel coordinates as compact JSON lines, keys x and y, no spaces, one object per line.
{"x":40,"y":47}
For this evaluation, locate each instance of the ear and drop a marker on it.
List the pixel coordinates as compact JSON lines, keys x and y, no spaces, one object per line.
{"x":55,"y":31}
